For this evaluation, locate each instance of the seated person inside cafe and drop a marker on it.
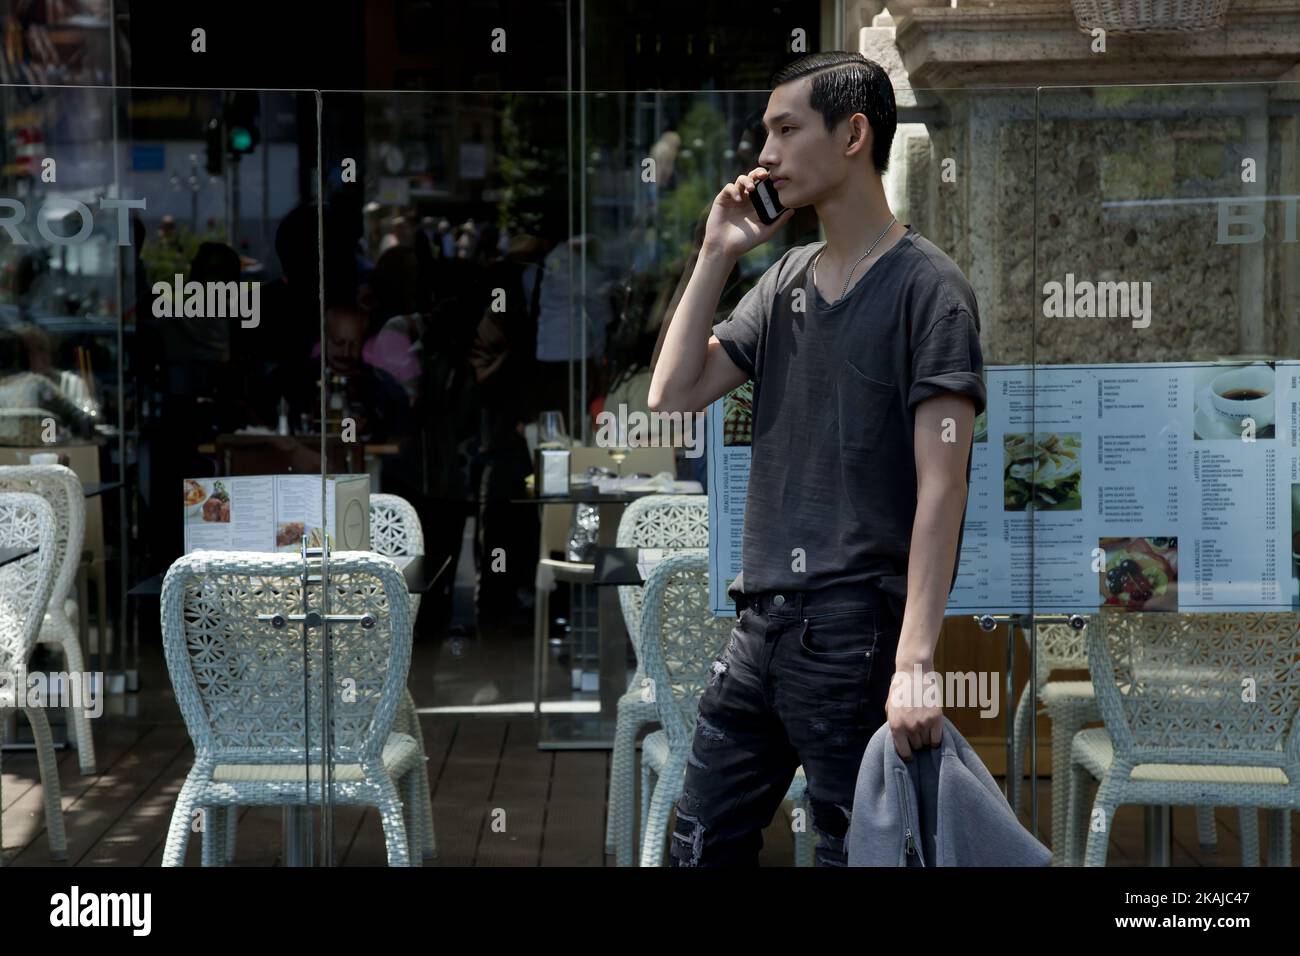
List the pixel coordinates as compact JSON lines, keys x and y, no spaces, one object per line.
{"x":370,"y":396}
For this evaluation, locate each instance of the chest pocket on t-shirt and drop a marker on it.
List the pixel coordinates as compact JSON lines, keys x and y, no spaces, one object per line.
{"x":865,"y":405}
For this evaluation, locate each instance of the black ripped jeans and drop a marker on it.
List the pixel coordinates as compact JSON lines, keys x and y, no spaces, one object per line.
{"x":803,"y":682}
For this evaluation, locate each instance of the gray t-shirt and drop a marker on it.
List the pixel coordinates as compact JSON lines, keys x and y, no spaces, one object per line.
{"x":833,"y":470}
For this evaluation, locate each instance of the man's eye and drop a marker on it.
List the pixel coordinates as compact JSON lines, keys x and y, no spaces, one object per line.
{"x":784,"y":128}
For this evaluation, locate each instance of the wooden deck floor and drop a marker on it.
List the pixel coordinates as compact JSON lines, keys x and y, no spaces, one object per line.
{"x":553,"y":802}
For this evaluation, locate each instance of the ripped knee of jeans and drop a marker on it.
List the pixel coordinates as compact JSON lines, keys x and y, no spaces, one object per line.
{"x":831,"y":821}
{"x":687,"y":844}
{"x":708,"y":731}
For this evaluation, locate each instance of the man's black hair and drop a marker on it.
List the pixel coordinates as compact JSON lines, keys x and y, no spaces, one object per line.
{"x":844,"y":84}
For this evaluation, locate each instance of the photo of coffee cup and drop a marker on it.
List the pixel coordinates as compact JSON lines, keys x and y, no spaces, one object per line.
{"x":1243,"y":393}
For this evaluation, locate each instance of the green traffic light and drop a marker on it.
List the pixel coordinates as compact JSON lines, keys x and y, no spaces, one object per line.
{"x":240,"y":139}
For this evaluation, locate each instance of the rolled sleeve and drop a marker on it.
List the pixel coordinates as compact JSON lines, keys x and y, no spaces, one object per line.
{"x":742,"y":352}
{"x":742,"y":331}
{"x":949,"y":360}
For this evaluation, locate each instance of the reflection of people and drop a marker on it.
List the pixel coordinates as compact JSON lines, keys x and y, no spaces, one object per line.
{"x":504,"y":363}
{"x":854,"y":381}
{"x":368,"y":395}
{"x":631,"y":348}
{"x":559,"y":339}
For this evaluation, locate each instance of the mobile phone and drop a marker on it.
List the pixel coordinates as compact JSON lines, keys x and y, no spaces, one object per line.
{"x":766,"y":202}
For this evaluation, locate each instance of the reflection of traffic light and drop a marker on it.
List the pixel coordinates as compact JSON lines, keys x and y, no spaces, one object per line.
{"x":240,"y":119}
{"x":216,"y":147}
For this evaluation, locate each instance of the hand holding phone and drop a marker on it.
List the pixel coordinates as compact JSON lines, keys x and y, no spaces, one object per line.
{"x":741,"y":219}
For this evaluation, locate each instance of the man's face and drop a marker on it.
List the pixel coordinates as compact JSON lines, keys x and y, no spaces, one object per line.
{"x":345,"y":332}
{"x":803,"y":160}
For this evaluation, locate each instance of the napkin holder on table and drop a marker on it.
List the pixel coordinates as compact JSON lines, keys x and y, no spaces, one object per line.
{"x":551,"y":466}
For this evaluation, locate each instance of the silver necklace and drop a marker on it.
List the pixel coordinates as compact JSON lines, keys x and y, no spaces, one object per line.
{"x":892,"y":220}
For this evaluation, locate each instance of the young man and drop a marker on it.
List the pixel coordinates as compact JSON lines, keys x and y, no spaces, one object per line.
{"x":865,"y":356}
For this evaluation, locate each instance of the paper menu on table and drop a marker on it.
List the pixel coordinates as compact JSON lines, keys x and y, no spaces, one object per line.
{"x":274,"y":512}
{"x":229,"y":514}
{"x":299,"y":511}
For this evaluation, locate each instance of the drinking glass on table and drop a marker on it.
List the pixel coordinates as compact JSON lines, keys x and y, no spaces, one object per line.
{"x":619,"y":449}
{"x":550,"y":431}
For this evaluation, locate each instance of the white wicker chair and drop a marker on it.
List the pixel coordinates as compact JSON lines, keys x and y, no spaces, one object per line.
{"x":680,"y":640}
{"x":61,"y":487}
{"x":251,"y":702}
{"x":1178,"y":731}
{"x":28,"y":521}
{"x":655,"y":521}
{"x":1070,"y":704}
{"x":395,"y":531}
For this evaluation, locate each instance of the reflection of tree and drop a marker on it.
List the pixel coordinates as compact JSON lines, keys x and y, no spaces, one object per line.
{"x":520,"y":164}
{"x":163,"y":257}
{"x":698,"y":174}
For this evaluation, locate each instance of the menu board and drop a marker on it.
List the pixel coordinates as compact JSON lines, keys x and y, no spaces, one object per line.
{"x":275,"y":512}
{"x":730,"y":431}
{"x":1146,"y":487}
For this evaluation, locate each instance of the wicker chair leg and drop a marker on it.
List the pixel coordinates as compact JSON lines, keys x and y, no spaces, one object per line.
{"x":611,"y":835}
{"x":178,"y":831}
{"x":1249,"y":819}
{"x":49,"y":768}
{"x":390,"y":815}
{"x":428,"y":840}
{"x":1278,"y":828}
{"x":410,"y":724}
{"x":1099,"y":836}
{"x":647,"y":791}
{"x":78,"y":720}
{"x":413,"y":810}
{"x":622,"y":787}
{"x":1019,"y":741}
{"x":1207,"y":834}
{"x":232,"y":836}
{"x":667,"y":789}
{"x":214,"y":836}
{"x":1063,"y":731}
{"x":1076,"y":821}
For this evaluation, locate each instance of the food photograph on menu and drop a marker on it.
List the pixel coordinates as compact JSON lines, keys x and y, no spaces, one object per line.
{"x":1043,"y":472}
{"x":738,"y":416}
{"x":1227,"y":400}
{"x":1140,"y":574}
{"x":206,"y":501}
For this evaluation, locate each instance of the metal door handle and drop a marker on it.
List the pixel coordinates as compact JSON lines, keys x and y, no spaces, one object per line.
{"x":315,"y":619}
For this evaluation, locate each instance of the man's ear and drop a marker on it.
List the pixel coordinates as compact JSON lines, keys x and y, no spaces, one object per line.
{"x":860,"y":133}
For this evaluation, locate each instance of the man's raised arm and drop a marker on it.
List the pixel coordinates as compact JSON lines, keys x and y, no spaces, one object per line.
{"x":694,"y":370}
